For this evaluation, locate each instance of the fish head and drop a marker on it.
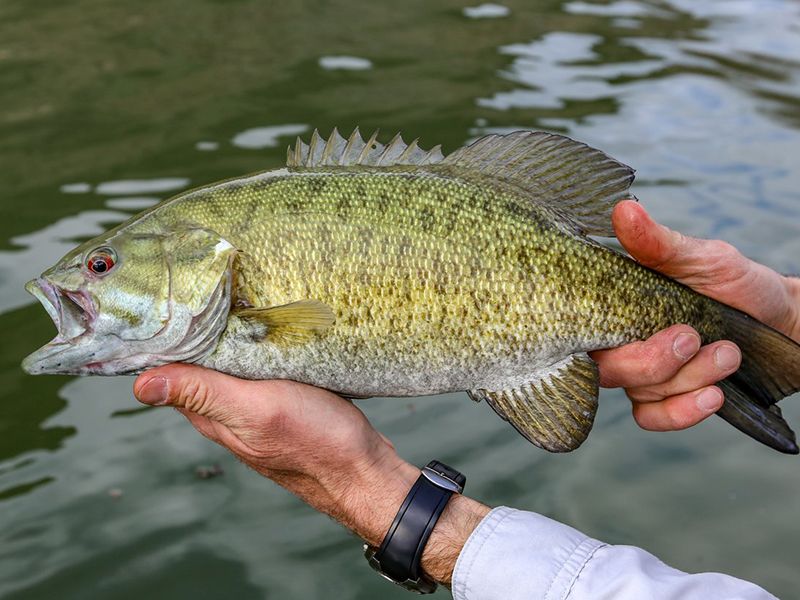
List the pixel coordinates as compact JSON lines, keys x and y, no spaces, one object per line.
{"x":126,"y":302}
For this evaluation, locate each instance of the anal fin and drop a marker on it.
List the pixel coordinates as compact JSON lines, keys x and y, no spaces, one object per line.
{"x":554,"y":410}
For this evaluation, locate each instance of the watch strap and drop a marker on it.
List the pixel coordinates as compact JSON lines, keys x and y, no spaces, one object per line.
{"x":398,"y":557}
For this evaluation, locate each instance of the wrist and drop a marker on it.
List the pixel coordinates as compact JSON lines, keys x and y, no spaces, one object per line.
{"x":460,"y":518}
{"x":371,"y":501}
{"x":373,"y":513}
{"x":367,"y":495}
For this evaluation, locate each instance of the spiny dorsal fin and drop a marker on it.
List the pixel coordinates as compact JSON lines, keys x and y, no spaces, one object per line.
{"x":578,"y":183}
{"x":297,"y":322}
{"x":571,"y":178}
{"x":555,"y":410}
{"x":339,"y":152}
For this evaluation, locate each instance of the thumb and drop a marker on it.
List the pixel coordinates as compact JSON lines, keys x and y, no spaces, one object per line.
{"x":656,"y":246}
{"x":201,"y":391}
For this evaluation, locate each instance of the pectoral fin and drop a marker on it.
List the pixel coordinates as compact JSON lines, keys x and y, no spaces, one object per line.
{"x":296,"y":322}
{"x":555,"y":409}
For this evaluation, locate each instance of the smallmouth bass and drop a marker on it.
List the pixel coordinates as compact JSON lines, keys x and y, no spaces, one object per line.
{"x":388,"y":270}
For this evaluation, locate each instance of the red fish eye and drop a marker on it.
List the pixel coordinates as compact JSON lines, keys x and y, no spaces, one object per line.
{"x":101,"y":261}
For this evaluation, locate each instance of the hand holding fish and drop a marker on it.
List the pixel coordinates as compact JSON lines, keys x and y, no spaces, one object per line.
{"x":315,"y":444}
{"x":669,"y":377}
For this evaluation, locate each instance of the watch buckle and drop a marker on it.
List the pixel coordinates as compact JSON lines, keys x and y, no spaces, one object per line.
{"x":442,"y":481}
{"x":422,"y":585}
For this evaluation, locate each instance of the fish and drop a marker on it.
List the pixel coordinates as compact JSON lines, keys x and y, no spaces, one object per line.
{"x":374,"y":269}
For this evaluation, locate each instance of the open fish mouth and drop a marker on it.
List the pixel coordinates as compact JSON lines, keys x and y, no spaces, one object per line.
{"x":73,"y":314}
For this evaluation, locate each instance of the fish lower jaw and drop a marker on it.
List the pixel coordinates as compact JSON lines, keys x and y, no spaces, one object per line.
{"x":65,"y":359}
{"x":37,"y":363}
{"x":77,"y":356}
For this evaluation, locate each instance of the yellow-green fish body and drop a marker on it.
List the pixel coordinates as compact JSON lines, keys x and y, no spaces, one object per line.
{"x":436,"y":284}
{"x":378,"y":270}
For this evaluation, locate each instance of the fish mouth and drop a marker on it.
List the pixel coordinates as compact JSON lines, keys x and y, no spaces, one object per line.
{"x":73,"y":314}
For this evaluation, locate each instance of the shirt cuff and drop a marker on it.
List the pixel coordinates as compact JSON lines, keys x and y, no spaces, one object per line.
{"x":517,"y":555}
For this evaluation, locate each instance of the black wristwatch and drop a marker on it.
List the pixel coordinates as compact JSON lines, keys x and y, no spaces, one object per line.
{"x":397,"y":558}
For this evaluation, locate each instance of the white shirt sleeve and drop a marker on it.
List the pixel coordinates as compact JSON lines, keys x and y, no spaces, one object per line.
{"x":517,"y":555}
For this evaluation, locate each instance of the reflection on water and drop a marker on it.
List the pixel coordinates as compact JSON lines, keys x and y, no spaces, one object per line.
{"x":100,"y":500}
{"x":75,"y":188}
{"x":266,"y":137}
{"x":345,"y":63}
{"x":142,"y":186}
{"x":486,"y":11}
{"x":134,"y":203}
{"x":618,"y":9}
{"x":207,"y":146}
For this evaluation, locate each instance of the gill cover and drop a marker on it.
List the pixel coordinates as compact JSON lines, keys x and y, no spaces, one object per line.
{"x":198,"y":260}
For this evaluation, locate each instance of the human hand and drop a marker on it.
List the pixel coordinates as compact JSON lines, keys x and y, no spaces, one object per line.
{"x":670,"y":378}
{"x":315,"y":444}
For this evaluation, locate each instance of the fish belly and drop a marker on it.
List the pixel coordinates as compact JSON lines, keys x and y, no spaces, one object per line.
{"x":357,"y":369}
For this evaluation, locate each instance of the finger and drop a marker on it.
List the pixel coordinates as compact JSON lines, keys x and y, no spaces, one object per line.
{"x":712,"y":364}
{"x":652,"y":361}
{"x":678,"y":412}
{"x":712,"y":267}
{"x":660,"y":248}
{"x":202,"y":391}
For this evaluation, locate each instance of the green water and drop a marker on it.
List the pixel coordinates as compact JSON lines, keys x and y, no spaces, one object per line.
{"x":109,"y":106}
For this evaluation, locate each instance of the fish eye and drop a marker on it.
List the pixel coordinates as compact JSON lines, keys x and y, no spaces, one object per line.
{"x":101,"y":261}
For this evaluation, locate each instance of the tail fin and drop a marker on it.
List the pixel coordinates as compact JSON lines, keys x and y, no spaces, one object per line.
{"x":770,"y":371}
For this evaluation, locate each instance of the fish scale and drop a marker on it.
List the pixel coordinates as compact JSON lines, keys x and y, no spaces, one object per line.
{"x":376,"y":270}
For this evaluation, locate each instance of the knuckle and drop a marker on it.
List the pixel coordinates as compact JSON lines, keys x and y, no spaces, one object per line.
{"x":676,"y":420}
{"x":645,"y":395}
{"x":719,"y":247}
{"x":669,"y":420}
{"x":652,"y":369}
{"x":652,"y":351}
{"x":196,"y":397}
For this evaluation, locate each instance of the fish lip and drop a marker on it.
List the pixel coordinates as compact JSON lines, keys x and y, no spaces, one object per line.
{"x":72,"y":311}
{"x":73,"y":314}
{"x":45,"y":294}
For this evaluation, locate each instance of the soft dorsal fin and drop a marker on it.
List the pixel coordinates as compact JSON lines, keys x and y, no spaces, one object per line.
{"x":579,"y":184}
{"x":555,"y":410}
{"x":569,"y":177}
{"x":339,"y":152}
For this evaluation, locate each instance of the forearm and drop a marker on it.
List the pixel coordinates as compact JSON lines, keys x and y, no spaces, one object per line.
{"x":367,"y":499}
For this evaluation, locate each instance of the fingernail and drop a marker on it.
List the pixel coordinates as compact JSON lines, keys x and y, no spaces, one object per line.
{"x":727,"y":357}
{"x":709,"y":400}
{"x":154,"y":391}
{"x":687,"y":345}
